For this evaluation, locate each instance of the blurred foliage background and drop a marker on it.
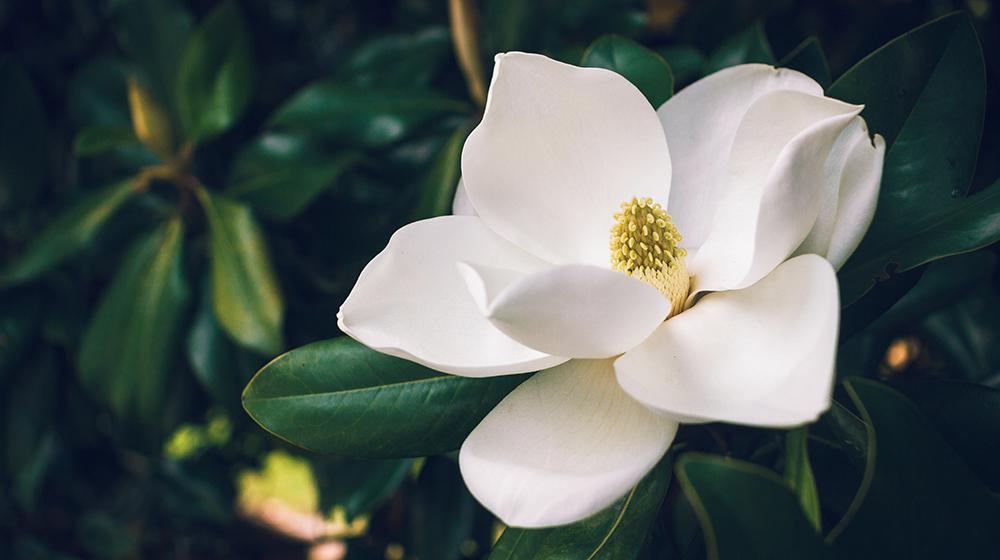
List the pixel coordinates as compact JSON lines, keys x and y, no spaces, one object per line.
{"x":188,"y":188}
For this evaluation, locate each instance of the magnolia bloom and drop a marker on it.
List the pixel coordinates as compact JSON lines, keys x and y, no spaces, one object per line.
{"x":648,"y":287}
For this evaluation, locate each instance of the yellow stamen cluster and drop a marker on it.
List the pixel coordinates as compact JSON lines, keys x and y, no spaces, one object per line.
{"x":644,"y":245}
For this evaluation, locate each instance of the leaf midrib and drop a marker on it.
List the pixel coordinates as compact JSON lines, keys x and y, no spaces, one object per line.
{"x":356,"y":390}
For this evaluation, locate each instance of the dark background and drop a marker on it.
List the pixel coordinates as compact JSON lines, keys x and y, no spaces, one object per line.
{"x":77,"y":482}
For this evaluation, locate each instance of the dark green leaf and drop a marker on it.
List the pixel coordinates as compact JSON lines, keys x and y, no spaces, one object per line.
{"x":856,"y":316}
{"x":442,"y":511}
{"x":799,"y":474}
{"x":28,"y":481}
{"x":963,"y":335}
{"x":917,"y":498}
{"x":220,"y":366}
{"x":248,"y":302}
{"x":98,"y":94}
{"x":359,"y":487}
{"x":370,"y":117}
{"x":943,"y":282}
{"x":98,"y":98}
{"x":848,"y":432}
{"x":746,"y":511}
{"x":99,"y":139}
{"x":809,"y":59}
{"x":215,"y":80}
{"x":437,"y":190}
{"x":281,"y":173}
{"x":511,"y":25}
{"x":617,"y":532}
{"x":23,"y":148}
{"x":686,"y":63}
{"x":397,"y":60}
{"x":128,"y":347}
{"x":153,"y":33}
{"x":747,"y":46}
{"x":968,"y":416}
{"x":72,"y":231}
{"x":19,"y":320}
{"x":340,"y":397}
{"x":924,"y":92}
{"x":646,"y":69}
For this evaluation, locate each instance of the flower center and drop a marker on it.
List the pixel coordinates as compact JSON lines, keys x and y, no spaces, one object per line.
{"x":644,"y":246}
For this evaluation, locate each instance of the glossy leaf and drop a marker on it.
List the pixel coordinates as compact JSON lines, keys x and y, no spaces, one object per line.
{"x":916,"y":495}
{"x":245,"y":292}
{"x":968,"y":417}
{"x":23,"y":145}
{"x":153,"y":34}
{"x":71,"y":232}
{"x":746,"y":511}
{"x":219,"y":365}
{"x":281,"y":173}
{"x":745,"y":47}
{"x":95,"y":140}
{"x":359,"y":487}
{"x":339,"y":397}
{"x":808,"y":58}
{"x":799,"y":474}
{"x":944,"y":281}
{"x":150,"y":120}
{"x":128,"y":347}
{"x":369,"y":117}
{"x":924,"y":92}
{"x":646,"y":69}
{"x":617,"y":532}
{"x":437,"y":189}
{"x":397,"y":60}
{"x":215,"y":80}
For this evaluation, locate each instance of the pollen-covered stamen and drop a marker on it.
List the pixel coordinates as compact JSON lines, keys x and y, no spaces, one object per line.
{"x":644,"y":245}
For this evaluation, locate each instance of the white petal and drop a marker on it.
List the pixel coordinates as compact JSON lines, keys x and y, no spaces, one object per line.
{"x":411,"y":302}
{"x":774,"y":188}
{"x":700,"y":123}
{"x":558,"y":150}
{"x":575,"y":310}
{"x":562,"y":446}
{"x":761,"y":356}
{"x":852,"y":176}
{"x":461,"y":205}
{"x":859,"y":189}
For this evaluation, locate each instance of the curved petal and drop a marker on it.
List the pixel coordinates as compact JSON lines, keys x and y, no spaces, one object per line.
{"x":774,"y":188}
{"x":411,"y":302}
{"x":558,"y":150}
{"x":761,"y":356}
{"x":461,"y":205}
{"x":859,"y":189}
{"x":852,"y":176}
{"x":574,"y":310}
{"x":562,"y":446}
{"x":700,"y":122}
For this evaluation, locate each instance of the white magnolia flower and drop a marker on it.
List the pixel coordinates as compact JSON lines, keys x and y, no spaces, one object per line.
{"x":634,"y":338}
